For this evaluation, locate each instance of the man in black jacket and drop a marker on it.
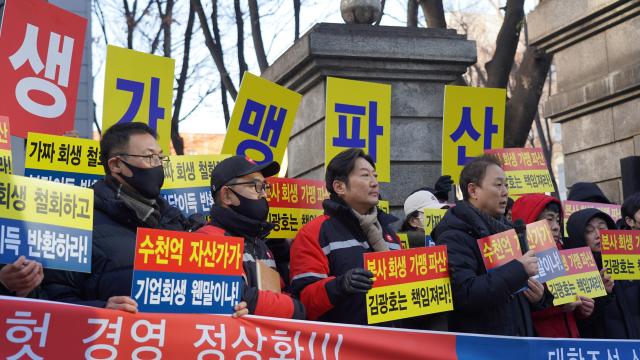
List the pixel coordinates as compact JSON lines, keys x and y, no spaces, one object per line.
{"x":486,"y":303}
{"x":126,"y":199}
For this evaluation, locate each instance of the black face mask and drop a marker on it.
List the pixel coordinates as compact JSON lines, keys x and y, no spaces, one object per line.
{"x":253,"y":209}
{"x":147,"y":181}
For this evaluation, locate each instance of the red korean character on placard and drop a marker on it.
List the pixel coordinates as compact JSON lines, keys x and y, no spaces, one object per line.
{"x":40,"y":57}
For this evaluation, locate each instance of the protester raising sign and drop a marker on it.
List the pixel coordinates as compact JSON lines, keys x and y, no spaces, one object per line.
{"x":40,"y":56}
{"x":358,"y":115}
{"x":63,"y":159}
{"x":139,"y":87}
{"x":582,"y":277}
{"x":5,"y":146}
{"x":526,"y":170}
{"x":473,"y":121}
{"x":261,"y":120}
{"x":47,"y":222}
{"x":186,"y":272}
{"x":621,"y":253}
{"x":408,"y":283}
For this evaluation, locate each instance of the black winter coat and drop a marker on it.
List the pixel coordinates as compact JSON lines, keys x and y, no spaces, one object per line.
{"x":113,"y":249}
{"x":484,"y":303}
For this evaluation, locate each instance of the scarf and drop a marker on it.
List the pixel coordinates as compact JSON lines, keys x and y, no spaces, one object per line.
{"x":372,"y":229}
{"x":147,"y":210}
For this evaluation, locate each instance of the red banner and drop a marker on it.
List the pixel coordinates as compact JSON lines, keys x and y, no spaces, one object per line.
{"x":297,"y":193}
{"x":499,"y":249}
{"x":520,"y":158}
{"x":40,"y":56}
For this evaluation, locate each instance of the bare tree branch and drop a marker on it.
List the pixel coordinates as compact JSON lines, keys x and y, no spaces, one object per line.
{"x":546,"y":150}
{"x":225,"y":105}
{"x":412,"y":13}
{"x":242,"y":64}
{"x":176,"y":139}
{"x":97,"y":9}
{"x":214,"y":48}
{"x":434,"y":13}
{"x":201,"y":99}
{"x":256,"y":34}
{"x":296,"y":18}
{"x":499,"y":67}
{"x":382,"y":4}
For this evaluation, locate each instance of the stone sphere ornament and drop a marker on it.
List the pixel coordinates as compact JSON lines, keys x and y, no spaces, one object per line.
{"x":360,"y":11}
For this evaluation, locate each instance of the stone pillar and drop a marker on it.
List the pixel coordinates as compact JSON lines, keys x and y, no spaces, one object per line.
{"x":417,"y":62}
{"x":597,"y":59}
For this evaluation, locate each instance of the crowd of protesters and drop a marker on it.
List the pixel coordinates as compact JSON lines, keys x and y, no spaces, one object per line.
{"x":323,"y":276}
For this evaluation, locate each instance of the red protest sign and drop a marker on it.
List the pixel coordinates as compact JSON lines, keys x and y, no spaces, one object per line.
{"x":183,"y":252}
{"x":539,"y":236}
{"x":499,"y":249}
{"x":296,"y":193}
{"x":40,"y":56}
{"x":406,"y":266}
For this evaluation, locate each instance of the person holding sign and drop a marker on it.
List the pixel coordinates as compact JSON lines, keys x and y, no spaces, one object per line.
{"x":21,"y":278}
{"x":557,"y":321}
{"x":126,"y":199}
{"x":327,"y":263}
{"x":239,"y":189}
{"x":616,"y":316}
{"x":414,"y":207}
{"x":486,"y":302}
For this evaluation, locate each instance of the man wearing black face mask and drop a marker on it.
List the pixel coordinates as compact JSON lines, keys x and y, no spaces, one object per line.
{"x":238,"y":186}
{"x":126,"y":199}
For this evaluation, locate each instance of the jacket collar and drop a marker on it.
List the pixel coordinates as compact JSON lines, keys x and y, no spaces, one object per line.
{"x":239,"y":225}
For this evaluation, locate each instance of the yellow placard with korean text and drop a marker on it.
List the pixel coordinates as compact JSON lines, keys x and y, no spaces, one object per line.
{"x":384,"y":205}
{"x":5,"y":146}
{"x":40,"y":201}
{"x":139,"y":87}
{"x":358,"y":115}
{"x":404,"y":240}
{"x":190,"y":171}
{"x":63,"y":154}
{"x":431,"y":219}
{"x":582,"y":277}
{"x":473,"y":121}
{"x":288,"y":221}
{"x":261,"y":121}
{"x":621,"y":253}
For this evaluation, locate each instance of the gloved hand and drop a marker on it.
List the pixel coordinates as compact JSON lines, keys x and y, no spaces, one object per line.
{"x":443,"y":187}
{"x":355,"y":281}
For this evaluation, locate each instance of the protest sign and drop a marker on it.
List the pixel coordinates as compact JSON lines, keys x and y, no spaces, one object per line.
{"x":36,"y":328}
{"x":383,"y":205}
{"x":404,"y":240}
{"x":499,"y":249}
{"x":47,"y":222}
{"x":432,"y":218}
{"x":40,"y":56}
{"x":139,"y":87}
{"x":186,"y":272}
{"x":583,"y":277}
{"x":621,"y":253}
{"x":473,"y":121}
{"x":526,"y":170}
{"x":358,"y":115}
{"x":293,"y":203}
{"x":261,"y":121}
{"x":63,"y":159}
{"x":569,"y":207}
{"x":408,"y":283}
{"x":540,"y":239}
{"x":187,"y":182}
{"x":5,"y":146}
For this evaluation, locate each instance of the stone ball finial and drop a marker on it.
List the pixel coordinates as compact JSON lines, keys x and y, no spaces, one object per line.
{"x":360,"y":11}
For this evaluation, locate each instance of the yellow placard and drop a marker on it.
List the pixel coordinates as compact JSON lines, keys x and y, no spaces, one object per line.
{"x":387,"y":303}
{"x":565,"y":289}
{"x":40,"y":201}
{"x":288,"y":221}
{"x":404,"y":240}
{"x":529,"y":182}
{"x":5,"y":162}
{"x":622,"y":266}
{"x":261,"y":120}
{"x":358,"y":115}
{"x":190,"y":171}
{"x":431,"y":219}
{"x":473,"y":121}
{"x":63,"y":154}
{"x":384,"y":205}
{"x":139,"y":87}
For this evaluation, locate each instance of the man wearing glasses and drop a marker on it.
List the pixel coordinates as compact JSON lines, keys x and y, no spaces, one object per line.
{"x":239,"y":191}
{"x":126,"y":199}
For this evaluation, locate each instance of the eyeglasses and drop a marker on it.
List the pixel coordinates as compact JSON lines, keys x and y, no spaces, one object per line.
{"x":259,"y":186}
{"x":153,"y":159}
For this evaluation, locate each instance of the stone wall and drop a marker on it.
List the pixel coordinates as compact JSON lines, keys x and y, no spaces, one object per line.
{"x":596,"y":47}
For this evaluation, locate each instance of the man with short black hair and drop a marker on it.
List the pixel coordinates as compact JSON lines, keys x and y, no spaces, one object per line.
{"x":239,"y":189}
{"x":327,"y":265}
{"x":128,"y":198}
{"x":486,"y":302}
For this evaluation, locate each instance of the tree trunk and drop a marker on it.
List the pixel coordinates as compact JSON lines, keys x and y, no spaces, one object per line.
{"x":412,"y":13}
{"x":499,"y":67}
{"x":434,"y":13}
{"x":214,"y":49}
{"x":240,"y":28}
{"x":296,"y":18}
{"x":176,"y":139}
{"x":523,"y":105}
{"x":256,"y":34}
